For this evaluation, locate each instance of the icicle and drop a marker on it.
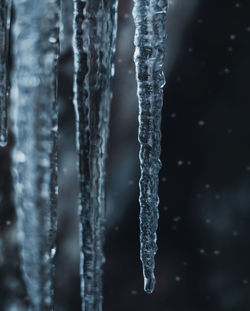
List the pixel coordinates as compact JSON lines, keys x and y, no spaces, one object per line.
{"x":55,"y":40}
{"x":94,"y":43}
{"x":5,"y":8}
{"x":149,"y":17}
{"x":34,"y":116}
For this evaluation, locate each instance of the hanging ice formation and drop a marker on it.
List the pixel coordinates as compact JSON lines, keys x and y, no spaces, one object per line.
{"x":34,"y":157}
{"x":149,"y":17}
{"x":34,"y":119}
{"x":95,"y":23}
{"x":5,"y":8}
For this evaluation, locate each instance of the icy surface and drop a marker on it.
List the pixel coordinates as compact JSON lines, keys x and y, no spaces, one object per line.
{"x":5,"y":8}
{"x":95,"y":24}
{"x":34,"y":117}
{"x":149,"y":17}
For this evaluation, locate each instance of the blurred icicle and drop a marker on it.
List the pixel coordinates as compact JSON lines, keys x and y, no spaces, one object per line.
{"x":149,"y":17}
{"x":5,"y":8}
{"x":34,"y":117}
{"x":94,"y":27}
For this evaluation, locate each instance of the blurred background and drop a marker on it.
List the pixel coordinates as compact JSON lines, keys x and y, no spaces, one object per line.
{"x":204,"y":231}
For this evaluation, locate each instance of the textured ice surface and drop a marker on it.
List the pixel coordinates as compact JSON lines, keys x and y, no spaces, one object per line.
{"x":5,"y":7}
{"x":34,"y":117}
{"x":149,"y":17}
{"x":95,"y":24}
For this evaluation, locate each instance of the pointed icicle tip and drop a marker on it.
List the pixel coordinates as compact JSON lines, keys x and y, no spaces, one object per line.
{"x":149,"y":284}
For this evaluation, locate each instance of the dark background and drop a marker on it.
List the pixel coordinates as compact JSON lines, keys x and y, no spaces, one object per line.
{"x":204,"y":233}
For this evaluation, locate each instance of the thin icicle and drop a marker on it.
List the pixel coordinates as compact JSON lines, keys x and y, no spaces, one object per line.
{"x":34,"y":116}
{"x":54,"y":150}
{"x":149,"y":17}
{"x":99,"y":103}
{"x":95,"y":24}
{"x":80,"y":40}
{"x":5,"y":8}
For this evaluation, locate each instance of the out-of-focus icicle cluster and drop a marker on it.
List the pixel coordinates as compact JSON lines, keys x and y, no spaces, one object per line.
{"x":95,"y":24}
{"x":5,"y":9}
{"x":34,"y":116}
{"x":149,"y":16}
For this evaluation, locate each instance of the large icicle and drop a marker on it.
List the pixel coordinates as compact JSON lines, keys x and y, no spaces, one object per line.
{"x":34,"y":116}
{"x":95,"y":24}
{"x":149,"y":17}
{"x":5,"y":8}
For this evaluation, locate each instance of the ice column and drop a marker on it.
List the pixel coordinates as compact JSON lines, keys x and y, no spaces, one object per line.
{"x":149,"y":17}
{"x":95,"y":24}
{"x":34,"y":118}
{"x":5,"y":8}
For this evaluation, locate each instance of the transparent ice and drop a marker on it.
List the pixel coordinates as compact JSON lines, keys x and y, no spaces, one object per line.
{"x":5,"y":9}
{"x":94,"y":27}
{"x":149,"y":17}
{"x":34,"y":115}
{"x":34,"y":156}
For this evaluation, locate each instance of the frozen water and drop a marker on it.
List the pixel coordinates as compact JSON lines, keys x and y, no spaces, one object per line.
{"x":35,"y":127}
{"x":95,"y":24}
{"x":149,"y":17}
{"x":34,"y":157}
{"x":5,"y":8}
